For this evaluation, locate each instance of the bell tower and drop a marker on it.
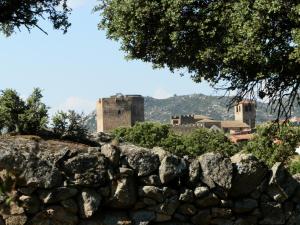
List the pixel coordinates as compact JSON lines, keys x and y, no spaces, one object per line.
{"x":245,"y":111}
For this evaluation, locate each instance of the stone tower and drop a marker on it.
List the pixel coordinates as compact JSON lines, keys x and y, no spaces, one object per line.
{"x":245,"y":111}
{"x":119,"y":111}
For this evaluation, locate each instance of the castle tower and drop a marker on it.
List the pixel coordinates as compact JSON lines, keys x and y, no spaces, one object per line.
{"x":119,"y":111}
{"x":245,"y":111}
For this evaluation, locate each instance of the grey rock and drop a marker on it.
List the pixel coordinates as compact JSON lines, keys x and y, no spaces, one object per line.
{"x":221,"y":212}
{"x":249,"y":172}
{"x":208,"y":201}
{"x":70,"y":205}
{"x":123,"y":193}
{"x":112,"y":153}
{"x":16,"y":220}
{"x":194,"y":171}
{"x":203,"y":217}
{"x":245,"y":205}
{"x":31,"y":204}
{"x":187,"y":196}
{"x":171,"y":167}
{"x":217,"y":168}
{"x":201,"y":191}
{"x":162,"y":217}
{"x":143,"y":217}
{"x":152,"y":192}
{"x":108,"y":218}
{"x":272,"y":214}
{"x":54,"y":215}
{"x":187,"y":209}
{"x":247,"y":220}
{"x":87,"y":169}
{"x":169,"y":206}
{"x":143,"y":163}
{"x":89,"y":202}
{"x":57,"y":194}
{"x":160,"y":152}
{"x":152,"y":180}
{"x":282,"y":185}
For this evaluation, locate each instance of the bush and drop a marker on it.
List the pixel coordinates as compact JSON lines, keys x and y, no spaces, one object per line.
{"x":294,"y":166}
{"x":146,"y":134}
{"x":11,"y":109}
{"x":274,"y":143}
{"x":69,"y":125}
{"x":198,"y":142}
{"x":35,"y":117}
{"x":23,"y":117}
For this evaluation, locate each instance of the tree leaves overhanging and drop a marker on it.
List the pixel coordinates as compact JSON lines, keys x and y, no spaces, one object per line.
{"x":250,"y":46}
{"x":17,"y":13}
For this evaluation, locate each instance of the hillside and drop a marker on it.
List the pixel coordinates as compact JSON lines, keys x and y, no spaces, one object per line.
{"x":160,"y":110}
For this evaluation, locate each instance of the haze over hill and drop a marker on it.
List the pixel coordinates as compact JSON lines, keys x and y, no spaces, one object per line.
{"x":160,"y":110}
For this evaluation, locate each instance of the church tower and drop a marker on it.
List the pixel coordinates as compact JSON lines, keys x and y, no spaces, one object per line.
{"x":245,"y":111}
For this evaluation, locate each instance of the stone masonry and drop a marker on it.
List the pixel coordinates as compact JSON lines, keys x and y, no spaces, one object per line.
{"x":129,"y":185}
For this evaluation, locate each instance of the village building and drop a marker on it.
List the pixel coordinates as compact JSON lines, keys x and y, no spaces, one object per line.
{"x":244,"y":113}
{"x":119,"y":111}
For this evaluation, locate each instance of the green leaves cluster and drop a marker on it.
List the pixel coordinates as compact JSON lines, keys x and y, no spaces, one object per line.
{"x":274,"y":143}
{"x":17,"y":115}
{"x":15,"y":14}
{"x":70,"y":125}
{"x":250,"y":45}
{"x":198,"y":142}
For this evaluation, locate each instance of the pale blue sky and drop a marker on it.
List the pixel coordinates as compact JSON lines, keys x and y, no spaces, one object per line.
{"x":76,"y":69}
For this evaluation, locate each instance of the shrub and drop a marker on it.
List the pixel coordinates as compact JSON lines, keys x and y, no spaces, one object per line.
{"x":11,"y":109}
{"x":146,"y":134}
{"x":28,"y":117}
{"x":196,"y":143}
{"x":274,"y":143}
{"x":294,"y":166}
{"x":35,"y":117}
{"x":69,"y":125}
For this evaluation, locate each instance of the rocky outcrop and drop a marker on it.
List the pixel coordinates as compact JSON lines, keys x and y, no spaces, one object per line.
{"x":69,"y":184}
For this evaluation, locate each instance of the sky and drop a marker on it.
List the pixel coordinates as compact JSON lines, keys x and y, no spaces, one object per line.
{"x":76,"y":69}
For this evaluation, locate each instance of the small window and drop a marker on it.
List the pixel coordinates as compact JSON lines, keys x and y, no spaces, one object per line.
{"x":119,"y":112}
{"x":237,"y":109}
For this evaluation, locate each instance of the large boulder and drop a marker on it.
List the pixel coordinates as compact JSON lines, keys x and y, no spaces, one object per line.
{"x":30,"y":169}
{"x":123,"y":193}
{"x":281,"y":185}
{"x":217,"y":168}
{"x":86,"y":169}
{"x":172,"y":167}
{"x":248,"y":174}
{"x":89,"y":202}
{"x":142,"y":160}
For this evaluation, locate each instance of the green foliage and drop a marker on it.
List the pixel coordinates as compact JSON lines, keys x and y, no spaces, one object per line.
{"x":35,"y":117}
{"x":60,"y":123}
{"x":23,"y":117}
{"x":203,"y":140}
{"x":198,"y":142}
{"x":7,"y":188}
{"x":144,"y":134}
{"x":253,"y":46}
{"x":15,"y":13}
{"x":12,"y":107}
{"x":294,"y":166}
{"x":69,"y":125}
{"x":274,"y":143}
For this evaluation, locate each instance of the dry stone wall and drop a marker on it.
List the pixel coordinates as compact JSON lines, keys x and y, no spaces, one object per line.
{"x":129,"y":185}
